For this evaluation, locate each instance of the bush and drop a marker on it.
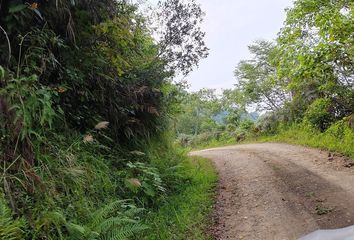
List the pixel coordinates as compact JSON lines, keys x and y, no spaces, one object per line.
{"x":205,"y":138}
{"x":184,"y":140}
{"x":246,"y":125}
{"x":268,"y":123}
{"x":319,"y":115}
{"x":239,"y":135}
{"x":144,"y":183}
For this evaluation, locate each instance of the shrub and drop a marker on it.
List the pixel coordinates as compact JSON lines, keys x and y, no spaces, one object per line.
{"x":144,"y":183}
{"x":268,"y":123}
{"x":350,"y":121}
{"x":184,"y":140}
{"x":246,"y":125}
{"x":204,"y":138}
{"x":319,"y":115}
{"x":240,"y":135}
{"x":31,"y":103}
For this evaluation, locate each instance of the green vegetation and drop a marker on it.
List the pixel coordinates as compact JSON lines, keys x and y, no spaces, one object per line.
{"x":206,"y":119}
{"x":184,"y":215}
{"x":303,"y":84}
{"x":86,"y":100}
{"x":9,"y":228}
{"x":323,"y":210}
{"x":338,"y":138}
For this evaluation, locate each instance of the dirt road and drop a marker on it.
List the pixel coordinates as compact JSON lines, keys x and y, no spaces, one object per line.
{"x":279,"y":191}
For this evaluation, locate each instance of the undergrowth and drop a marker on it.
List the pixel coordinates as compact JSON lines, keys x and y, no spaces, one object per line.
{"x":85,"y":190}
{"x":184,"y":214}
{"x":86,"y":98}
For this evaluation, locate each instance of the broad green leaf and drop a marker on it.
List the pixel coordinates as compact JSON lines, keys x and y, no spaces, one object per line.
{"x":17,"y":8}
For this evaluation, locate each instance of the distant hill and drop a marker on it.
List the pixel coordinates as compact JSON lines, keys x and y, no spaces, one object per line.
{"x":220,"y":117}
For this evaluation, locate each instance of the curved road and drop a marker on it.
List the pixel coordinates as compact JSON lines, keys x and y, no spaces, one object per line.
{"x":279,"y":191}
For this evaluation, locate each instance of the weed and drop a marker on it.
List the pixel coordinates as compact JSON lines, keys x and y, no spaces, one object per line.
{"x":323,"y":210}
{"x":310,"y":194}
{"x":275,"y":167}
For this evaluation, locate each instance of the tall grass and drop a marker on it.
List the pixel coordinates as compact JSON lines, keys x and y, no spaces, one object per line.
{"x":339,"y":137}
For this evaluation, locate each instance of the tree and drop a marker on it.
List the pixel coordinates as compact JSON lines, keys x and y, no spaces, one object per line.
{"x":123,"y":74}
{"x":257,"y":82}
{"x":316,"y":54}
{"x":312,"y":59}
{"x":179,"y":34}
{"x":198,"y":112}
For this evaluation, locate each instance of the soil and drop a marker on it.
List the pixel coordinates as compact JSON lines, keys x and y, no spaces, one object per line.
{"x":280,"y":191}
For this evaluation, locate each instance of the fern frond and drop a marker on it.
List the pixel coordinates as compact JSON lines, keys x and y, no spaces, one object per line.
{"x":124,"y":232}
{"x":78,"y":232}
{"x":133,"y":211}
{"x":51,"y":218}
{"x":102,"y":213}
{"x":114,"y":222}
{"x":76,"y":229}
{"x":10,"y":229}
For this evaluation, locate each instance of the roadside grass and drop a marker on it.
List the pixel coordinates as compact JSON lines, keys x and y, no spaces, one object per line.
{"x":185,"y":214}
{"x":337,"y":138}
{"x":214,"y":143}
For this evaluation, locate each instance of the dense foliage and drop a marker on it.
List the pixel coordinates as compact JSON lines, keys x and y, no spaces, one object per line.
{"x":206,"y":117}
{"x":87,"y":98}
{"x":309,"y":73}
{"x":302,"y":82}
{"x":85,"y":90}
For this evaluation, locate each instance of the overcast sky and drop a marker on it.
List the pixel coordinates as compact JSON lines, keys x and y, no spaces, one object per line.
{"x":231,"y":25}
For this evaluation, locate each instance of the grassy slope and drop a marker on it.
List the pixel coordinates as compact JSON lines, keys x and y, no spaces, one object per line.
{"x":80,"y":180}
{"x":184,"y":215}
{"x":335,"y":139}
{"x":338,"y":138}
